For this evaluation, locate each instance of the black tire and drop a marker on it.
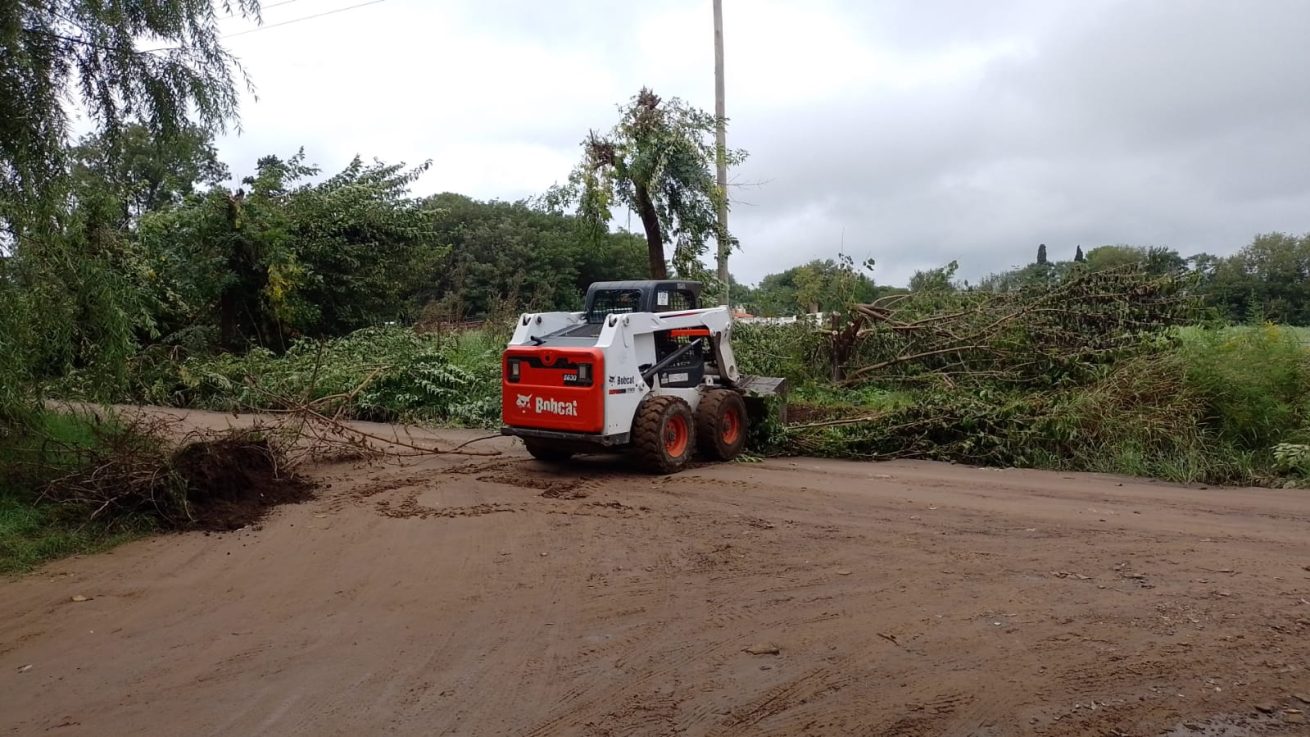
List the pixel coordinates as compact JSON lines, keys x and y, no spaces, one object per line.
{"x":663,"y":434}
{"x":721,"y":424}
{"x":547,"y":452}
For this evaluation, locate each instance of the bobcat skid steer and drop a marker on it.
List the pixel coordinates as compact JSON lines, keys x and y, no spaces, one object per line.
{"x":642,"y":369}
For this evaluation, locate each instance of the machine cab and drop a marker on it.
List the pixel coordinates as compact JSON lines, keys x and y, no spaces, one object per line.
{"x":610,"y":297}
{"x":671,"y":296}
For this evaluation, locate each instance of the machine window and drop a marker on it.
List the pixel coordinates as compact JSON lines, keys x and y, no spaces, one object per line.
{"x":612,"y":301}
{"x":674,"y":300}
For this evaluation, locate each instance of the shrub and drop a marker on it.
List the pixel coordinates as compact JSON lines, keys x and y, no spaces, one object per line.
{"x":383,"y":374}
{"x":1255,"y":383}
{"x":794,"y":352}
{"x":52,"y":445}
{"x":1219,"y":406}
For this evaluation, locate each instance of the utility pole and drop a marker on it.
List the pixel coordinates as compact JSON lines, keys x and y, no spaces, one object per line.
{"x":720,"y":149}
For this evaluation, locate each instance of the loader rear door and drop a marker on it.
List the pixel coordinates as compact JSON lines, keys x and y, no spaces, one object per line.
{"x":547,"y":388}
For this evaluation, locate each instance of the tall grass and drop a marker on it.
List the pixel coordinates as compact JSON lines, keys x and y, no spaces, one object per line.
{"x":31,"y":533}
{"x":1255,"y":384}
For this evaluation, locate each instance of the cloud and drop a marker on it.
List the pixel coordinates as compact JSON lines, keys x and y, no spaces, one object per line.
{"x":912,"y":132}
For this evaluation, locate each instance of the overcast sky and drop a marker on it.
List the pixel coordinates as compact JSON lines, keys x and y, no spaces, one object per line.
{"x":914,"y":131}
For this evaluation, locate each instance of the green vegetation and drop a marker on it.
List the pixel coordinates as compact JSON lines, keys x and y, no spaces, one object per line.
{"x":130,"y":268}
{"x":380,"y":374}
{"x":31,"y":533}
{"x":1267,"y":280}
{"x":170,"y":270}
{"x":1213,"y":405}
{"x":86,"y":50}
{"x":1209,"y":405}
{"x":818,"y":286}
{"x":659,"y":161}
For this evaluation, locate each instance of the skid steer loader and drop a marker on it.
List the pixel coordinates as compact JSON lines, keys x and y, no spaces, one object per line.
{"x":642,"y":369}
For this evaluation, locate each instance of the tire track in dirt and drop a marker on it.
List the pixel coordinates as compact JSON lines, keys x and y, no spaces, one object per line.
{"x":507,"y":597}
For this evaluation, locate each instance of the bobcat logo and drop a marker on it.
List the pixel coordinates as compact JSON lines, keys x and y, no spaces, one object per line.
{"x":523,"y":401}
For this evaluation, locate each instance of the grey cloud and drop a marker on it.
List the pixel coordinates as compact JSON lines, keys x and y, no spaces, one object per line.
{"x":925,"y":131}
{"x":1177,"y":124}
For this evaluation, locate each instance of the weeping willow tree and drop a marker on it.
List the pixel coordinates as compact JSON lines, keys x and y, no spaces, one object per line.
{"x":156,"y":62}
{"x":659,"y":161}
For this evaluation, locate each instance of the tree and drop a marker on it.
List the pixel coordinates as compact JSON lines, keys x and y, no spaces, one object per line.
{"x":65,"y":297}
{"x":282,"y":257}
{"x":135,"y":172}
{"x":1033,"y":274}
{"x":1041,"y":254}
{"x":659,"y":160}
{"x":741,"y":295}
{"x":516,"y":255}
{"x":86,"y":50}
{"x":822,"y":285}
{"x":1269,"y":279}
{"x":1153,"y":259}
{"x":935,"y":280}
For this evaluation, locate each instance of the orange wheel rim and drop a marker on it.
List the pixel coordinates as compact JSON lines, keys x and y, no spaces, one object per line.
{"x":731,"y":426}
{"x":675,"y":436}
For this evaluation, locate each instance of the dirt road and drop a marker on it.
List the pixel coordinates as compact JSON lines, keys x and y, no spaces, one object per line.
{"x":495,"y":596}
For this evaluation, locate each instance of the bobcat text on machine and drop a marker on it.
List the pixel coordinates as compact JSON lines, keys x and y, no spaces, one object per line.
{"x":641,"y":368}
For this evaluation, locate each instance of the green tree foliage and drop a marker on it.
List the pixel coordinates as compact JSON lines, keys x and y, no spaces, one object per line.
{"x":659,"y":161}
{"x":822,"y":285}
{"x":177,"y":264}
{"x":404,"y":375}
{"x":79,"y":278}
{"x":80,"y":309}
{"x":935,"y":280}
{"x":16,"y":344}
{"x":1155,"y":260}
{"x":125,"y":176}
{"x":1043,"y":272}
{"x":515,"y":254}
{"x":67,"y":298}
{"x":52,"y":51}
{"x":1269,"y":279}
{"x":1033,"y":274}
{"x":741,"y":295}
{"x":288,"y":257}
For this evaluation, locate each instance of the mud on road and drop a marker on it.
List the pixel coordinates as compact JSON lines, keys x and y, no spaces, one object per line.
{"x":498,"y":596}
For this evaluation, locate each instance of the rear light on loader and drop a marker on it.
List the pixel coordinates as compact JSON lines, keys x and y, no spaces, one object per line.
{"x":515,"y":372}
{"x":579,"y":376}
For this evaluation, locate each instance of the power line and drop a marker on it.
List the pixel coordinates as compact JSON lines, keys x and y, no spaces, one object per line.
{"x":292,"y":21}
{"x":276,"y":25}
{"x":300,"y":19}
{"x":82,"y":41}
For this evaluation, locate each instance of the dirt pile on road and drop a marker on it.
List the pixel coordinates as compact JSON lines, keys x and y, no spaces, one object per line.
{"x":210,"y":481}
{"x":233,"y":481}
